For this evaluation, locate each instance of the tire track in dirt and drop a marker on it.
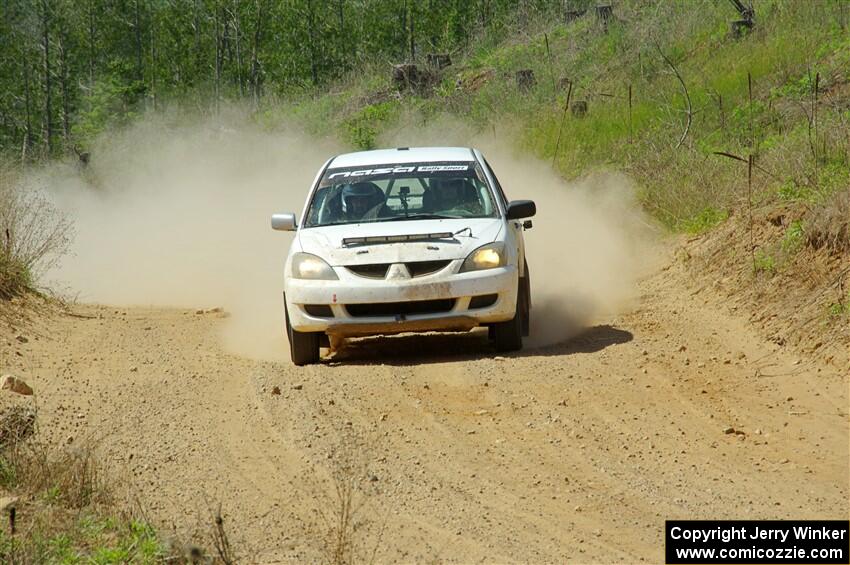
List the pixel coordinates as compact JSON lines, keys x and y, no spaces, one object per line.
{"x":576,"y":452}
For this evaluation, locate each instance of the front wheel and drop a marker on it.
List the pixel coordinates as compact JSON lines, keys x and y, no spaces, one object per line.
{"x":303,"y":346}
{"x":507,"y":336}
{"x":525,"y":305}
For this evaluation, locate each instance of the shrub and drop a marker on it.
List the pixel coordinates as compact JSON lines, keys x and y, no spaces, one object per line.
{"x":829,"y":225}
{"x":64,"y":509}
{"x":33,"y":234}
{"x":793,"y":239}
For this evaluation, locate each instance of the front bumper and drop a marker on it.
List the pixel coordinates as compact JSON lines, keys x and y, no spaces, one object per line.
{"x":446,"y":286}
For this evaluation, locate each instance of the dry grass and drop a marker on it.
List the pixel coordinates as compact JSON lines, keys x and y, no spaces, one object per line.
{"x":829,"y":223}
{"x":61,"y":508}
{"x":72,"y":476}
{"x":33,"y":234}
{"x":347,"y":527}
{"x":17,"y":424}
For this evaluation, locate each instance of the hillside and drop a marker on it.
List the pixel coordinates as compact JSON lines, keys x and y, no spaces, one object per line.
{"x":690,"y":338}
{"x":679,"y":103}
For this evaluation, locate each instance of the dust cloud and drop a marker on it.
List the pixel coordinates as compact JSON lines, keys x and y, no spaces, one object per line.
{"x":172,"y":213}
{"x":178,"y":215}
{"x":588,"y":245}
{"x":590,"y":240}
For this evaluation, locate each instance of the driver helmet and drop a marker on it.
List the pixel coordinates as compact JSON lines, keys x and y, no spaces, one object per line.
{"x":359,"y":198}
{"x":450,"y":191}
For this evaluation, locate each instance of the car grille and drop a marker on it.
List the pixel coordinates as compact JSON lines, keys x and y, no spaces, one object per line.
{"x":389,"y":309}
{"x":415,"y":268}
{"x":422,"y":268}
{"x":376,"y":271}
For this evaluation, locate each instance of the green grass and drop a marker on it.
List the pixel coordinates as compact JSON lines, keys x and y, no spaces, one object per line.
{"x":764,"y":262}
{"x":65,"y":511}
{"x":90,"y":540}
{"x":707,"y":219}
{"x":15,"y":279}
{"x":794,"y":238}
{"x":687,"y":188}
{"x":840,"y":309}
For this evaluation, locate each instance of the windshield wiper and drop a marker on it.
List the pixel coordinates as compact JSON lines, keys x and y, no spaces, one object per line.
{"x":422,"y":217}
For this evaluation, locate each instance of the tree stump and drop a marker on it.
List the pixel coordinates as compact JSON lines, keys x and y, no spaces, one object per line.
{"x":525,"y":80}
{"x":406,"y":75}
{"x":83,"y":156}
{"x":604,"y":13}
{"x":572,"y":15}
{"x":438,"y":61}
{"x":740,"y":28}
{"x":579,"y":108}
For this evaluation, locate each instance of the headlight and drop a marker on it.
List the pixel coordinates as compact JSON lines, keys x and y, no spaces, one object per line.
{"x":307,"y":266}
{"x":487,"y":256}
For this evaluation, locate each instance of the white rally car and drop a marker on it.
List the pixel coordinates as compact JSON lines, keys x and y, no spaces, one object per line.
{"x":406,"y":240}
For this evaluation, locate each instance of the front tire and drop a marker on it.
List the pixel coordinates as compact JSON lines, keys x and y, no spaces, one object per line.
{"x":507,"y":336}
{"x":525,"y":294}
{"x":303,"y":346}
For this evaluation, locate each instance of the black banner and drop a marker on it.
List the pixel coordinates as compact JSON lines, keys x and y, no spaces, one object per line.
{"x":757,"y":541}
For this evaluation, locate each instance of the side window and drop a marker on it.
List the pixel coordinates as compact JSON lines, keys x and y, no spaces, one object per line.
{"x":498,"y":184}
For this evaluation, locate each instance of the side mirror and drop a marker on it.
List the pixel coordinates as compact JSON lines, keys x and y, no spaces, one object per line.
{"x":283,"y":222}
{"x":521,"y":209}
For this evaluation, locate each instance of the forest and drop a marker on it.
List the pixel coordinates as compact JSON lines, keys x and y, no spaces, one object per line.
{"x":69,"y":68}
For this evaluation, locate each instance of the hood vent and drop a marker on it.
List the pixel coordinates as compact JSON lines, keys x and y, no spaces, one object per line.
{"x":378,"y":239}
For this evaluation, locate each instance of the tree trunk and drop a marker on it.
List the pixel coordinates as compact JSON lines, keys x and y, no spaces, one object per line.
{"x":311,"y":42}
{"x":433,"y":38}
{"x":218,"y":55}
{"x":66,"y":103}
{"x":92,"y":45}
{"x":238,"y":40}
{"x":154,"y":61}
{"x":196,"y":25}
{"x":27,"y":142}
{"x":347,"y":52}
{"x":255,"y":52}
{"x":412,"y":34}
{"x":404,"y":28}
{"x":138,"y":36}
{"x":48,"y":86}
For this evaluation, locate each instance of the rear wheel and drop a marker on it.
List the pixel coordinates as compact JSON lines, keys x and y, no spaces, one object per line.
{"x":303,"y":346}
{"x":508,"y":335}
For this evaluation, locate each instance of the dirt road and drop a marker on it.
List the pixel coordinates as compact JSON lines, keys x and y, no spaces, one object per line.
{"x":575,"y":452}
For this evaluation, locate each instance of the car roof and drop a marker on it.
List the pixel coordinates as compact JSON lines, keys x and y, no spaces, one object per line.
{"x":402,"y":155}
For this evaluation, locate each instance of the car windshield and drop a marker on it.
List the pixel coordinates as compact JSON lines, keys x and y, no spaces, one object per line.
{"x":409,"y":191}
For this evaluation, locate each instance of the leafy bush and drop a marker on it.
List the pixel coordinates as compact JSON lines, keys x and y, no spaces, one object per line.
{"x":361,"y":130}
{"x":793,"y":239}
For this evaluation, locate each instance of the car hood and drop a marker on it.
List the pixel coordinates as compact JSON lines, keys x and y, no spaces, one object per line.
{"x":326,"y":241}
